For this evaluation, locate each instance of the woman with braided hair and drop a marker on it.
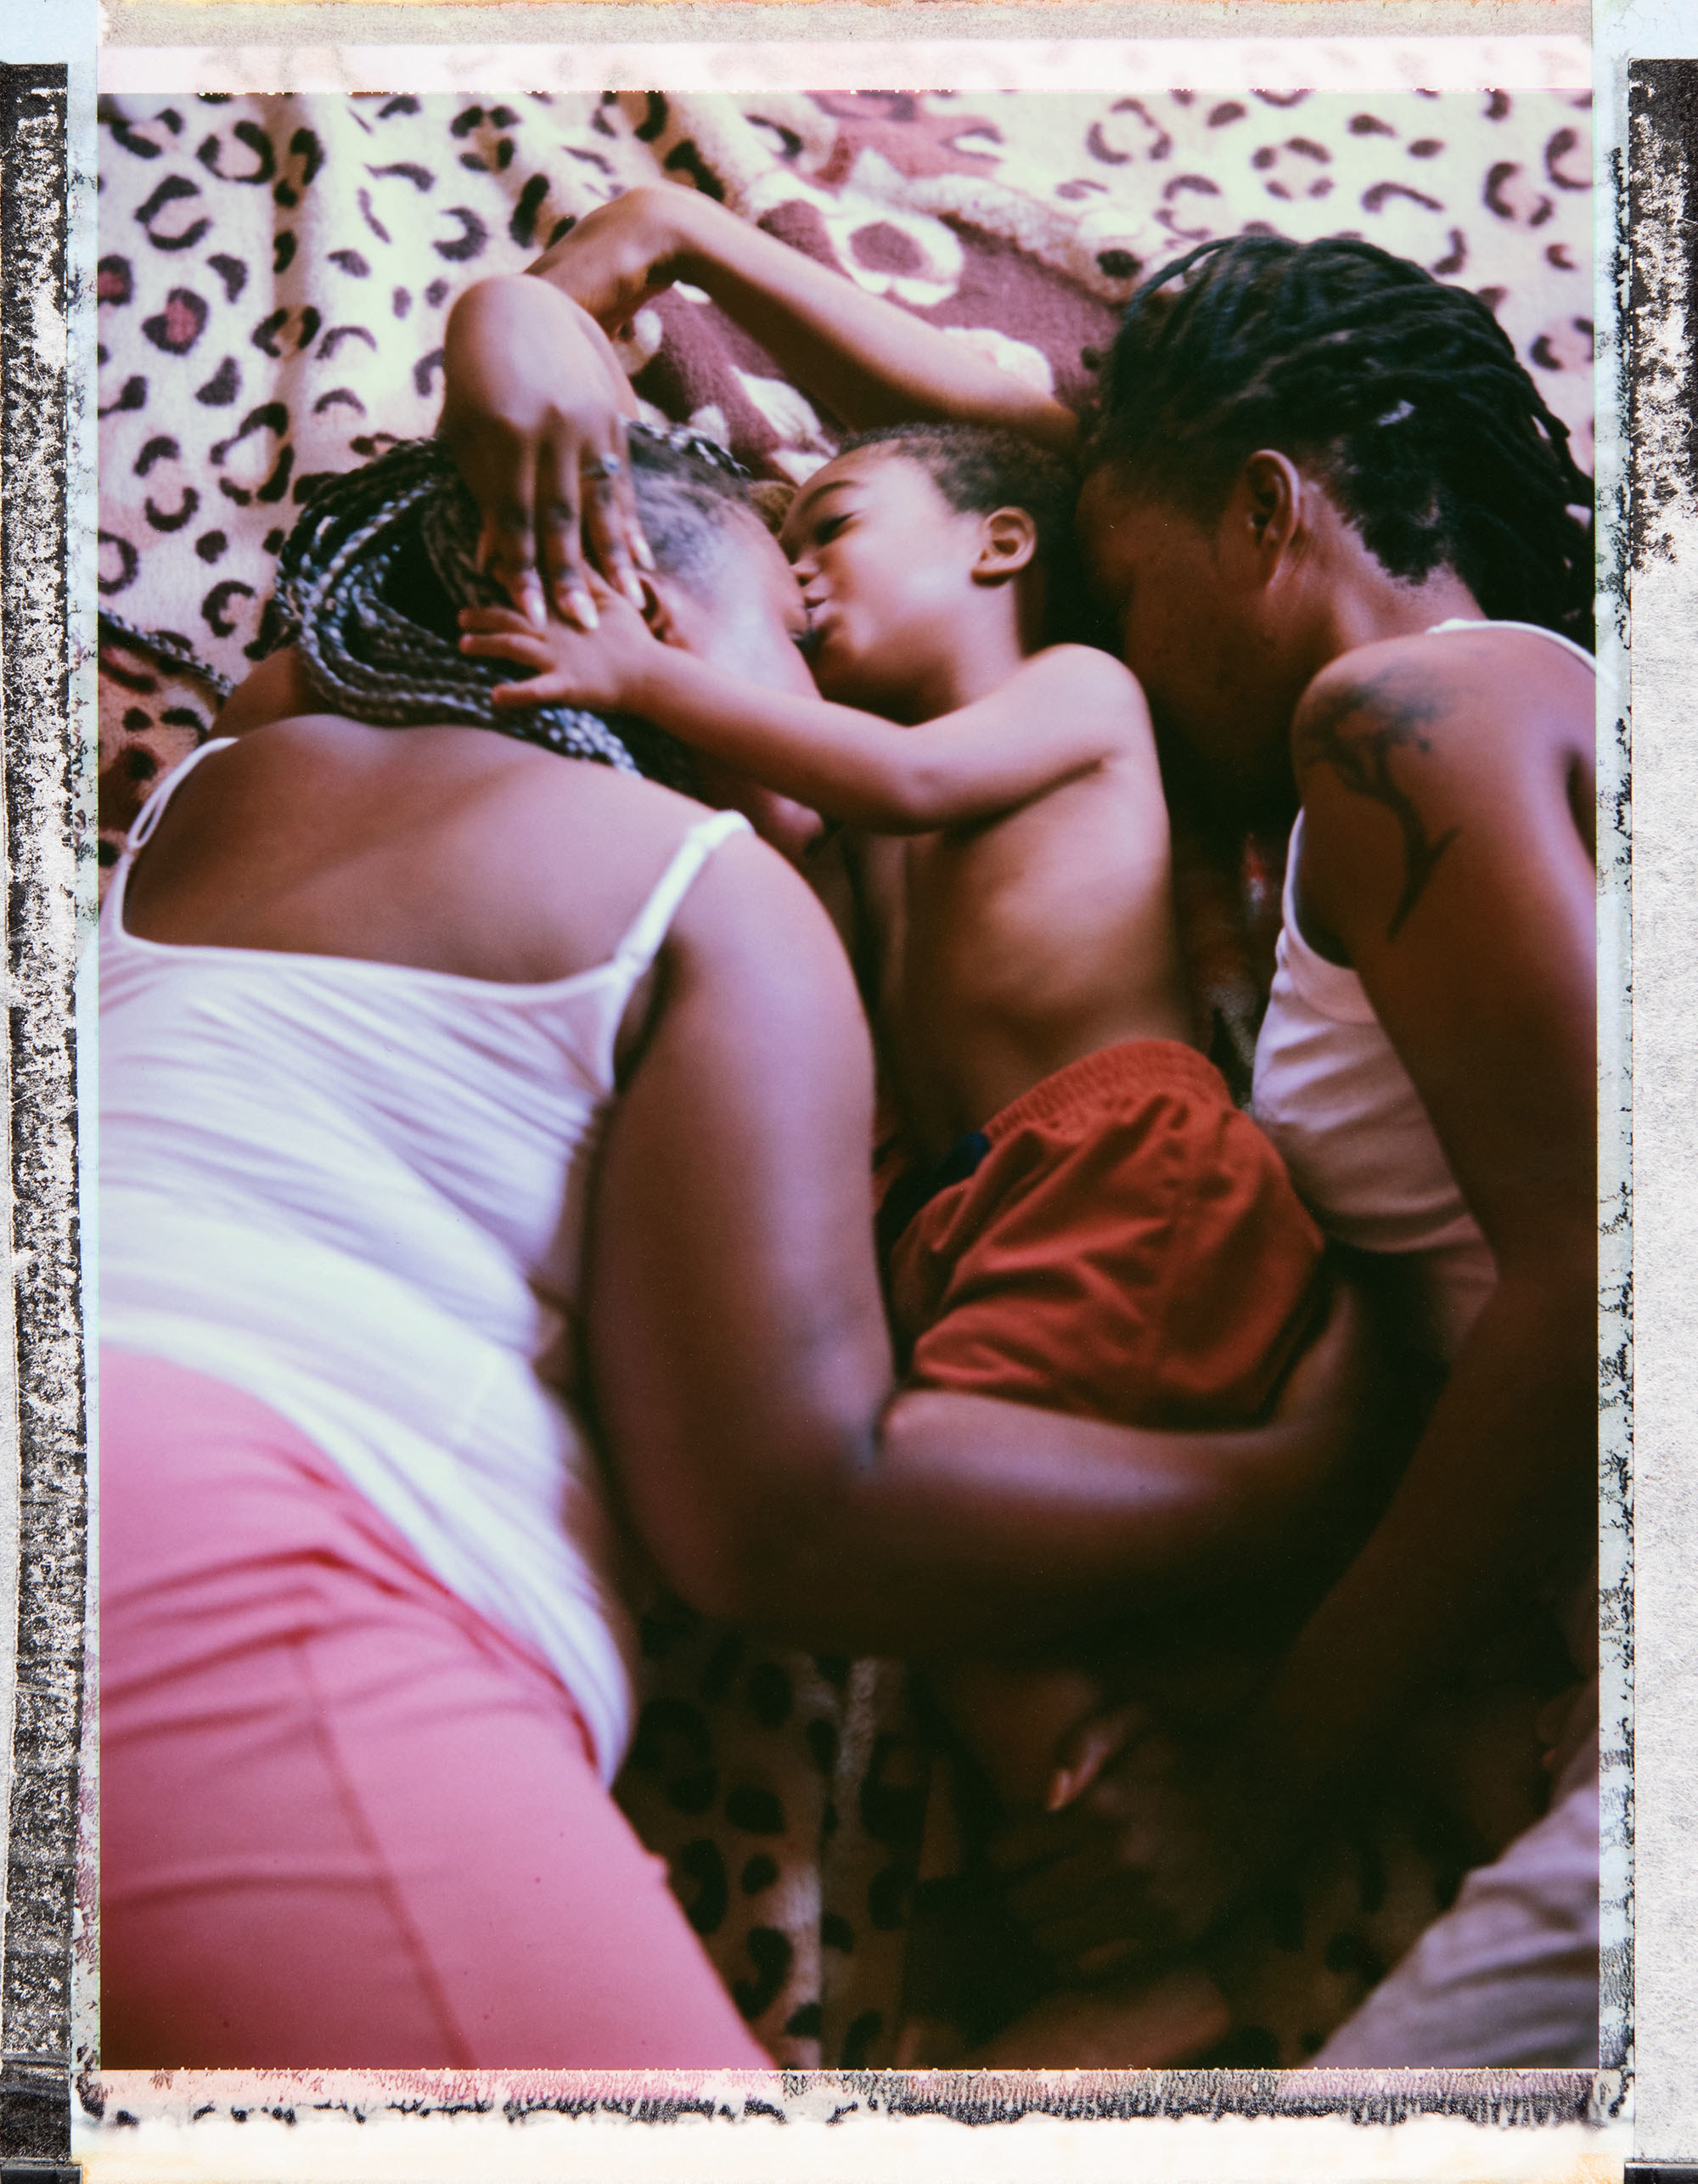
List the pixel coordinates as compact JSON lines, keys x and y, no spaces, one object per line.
{"x":1349,"y":558}
{"x":457,"y":1086}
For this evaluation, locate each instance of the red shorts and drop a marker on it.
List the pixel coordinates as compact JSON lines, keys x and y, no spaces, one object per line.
{"x":1125,"y":1244}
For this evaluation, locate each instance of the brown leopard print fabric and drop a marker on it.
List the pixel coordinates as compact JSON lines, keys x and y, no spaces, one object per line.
{"x":274,"y":274}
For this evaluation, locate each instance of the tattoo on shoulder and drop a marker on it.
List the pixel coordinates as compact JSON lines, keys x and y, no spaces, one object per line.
{"x":1357,"y":730}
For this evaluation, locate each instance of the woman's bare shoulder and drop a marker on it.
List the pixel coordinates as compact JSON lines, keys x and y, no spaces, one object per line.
{"x":1511,"y":663}
{"x":1482,"y":701}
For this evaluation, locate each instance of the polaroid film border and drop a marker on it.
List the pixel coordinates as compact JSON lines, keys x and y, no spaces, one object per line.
{"x":41,"y":764}
{"x":1525,"y":2098}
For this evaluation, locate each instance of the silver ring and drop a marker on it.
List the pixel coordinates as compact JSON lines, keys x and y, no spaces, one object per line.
{"x":603,"y":468}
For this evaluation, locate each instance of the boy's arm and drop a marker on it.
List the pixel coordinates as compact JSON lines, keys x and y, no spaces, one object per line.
{"x":1060,"y":713}
{"x":867,"y":359}
{"x":534,"y":399}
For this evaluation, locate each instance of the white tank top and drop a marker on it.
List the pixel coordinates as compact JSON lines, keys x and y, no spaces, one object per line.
{"x":1330,"y":1092}
{"x":356,"y":1191}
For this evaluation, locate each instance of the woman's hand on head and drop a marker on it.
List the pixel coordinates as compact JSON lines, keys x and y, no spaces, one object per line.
{"x":535,"y":413}
{"x":597,"y":664}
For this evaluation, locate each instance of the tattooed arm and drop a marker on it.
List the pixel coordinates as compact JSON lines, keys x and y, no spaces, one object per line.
{"x":1446,"y":799}
{"x":1372,"y":733}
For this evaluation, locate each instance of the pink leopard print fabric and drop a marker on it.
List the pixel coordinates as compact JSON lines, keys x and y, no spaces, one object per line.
{"x":275,"y":272}
{"x":274,"y":276}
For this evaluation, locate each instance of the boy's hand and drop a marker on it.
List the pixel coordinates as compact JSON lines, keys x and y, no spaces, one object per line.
{"x":600,"y":671}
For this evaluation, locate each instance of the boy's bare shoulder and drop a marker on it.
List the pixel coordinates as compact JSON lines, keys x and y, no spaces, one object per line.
{"x":1086,"y":678}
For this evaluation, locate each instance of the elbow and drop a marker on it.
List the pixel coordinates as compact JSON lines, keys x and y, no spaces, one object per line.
{"x":773,"y":1552}
{"x":473,"y":303}
{"x":711,"y":1558}
{"x":918,"y":798}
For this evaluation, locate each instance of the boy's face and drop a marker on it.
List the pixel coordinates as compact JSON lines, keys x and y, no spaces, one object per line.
{"x":885,"y":564}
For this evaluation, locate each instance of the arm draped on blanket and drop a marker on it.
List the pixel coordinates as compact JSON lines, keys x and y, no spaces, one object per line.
{"x":868,"y":360}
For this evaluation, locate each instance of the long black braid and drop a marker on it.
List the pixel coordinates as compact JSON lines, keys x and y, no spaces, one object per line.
{"x":1405,"y":395}
{"x":370,"y":582}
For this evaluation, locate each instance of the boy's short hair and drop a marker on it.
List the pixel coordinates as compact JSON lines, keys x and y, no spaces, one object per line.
{"x":979,"y":468}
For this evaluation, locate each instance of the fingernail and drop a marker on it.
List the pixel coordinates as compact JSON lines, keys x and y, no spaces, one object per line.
{"x":633,"y":589}
{"x":644,"y":554}
{"x":583,"y":609}
{"x":1060,"y":1794}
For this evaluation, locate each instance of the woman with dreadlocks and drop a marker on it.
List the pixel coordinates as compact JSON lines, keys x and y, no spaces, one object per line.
{"x":1350,"y":556}
{"x":455,"y":1082}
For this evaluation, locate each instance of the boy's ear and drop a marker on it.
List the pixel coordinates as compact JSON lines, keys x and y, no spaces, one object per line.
{"x":1008,"y":539}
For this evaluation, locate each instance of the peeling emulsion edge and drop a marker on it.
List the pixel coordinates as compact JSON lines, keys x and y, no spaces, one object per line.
{"x":1621,"y":320}
{"x":38,"y":673}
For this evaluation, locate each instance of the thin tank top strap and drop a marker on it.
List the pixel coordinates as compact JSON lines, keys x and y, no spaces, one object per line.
{"x":153,"y":810}
{"x":1528,"y":628}
{"x":648,"y":929}
{"x":1288,"y":889}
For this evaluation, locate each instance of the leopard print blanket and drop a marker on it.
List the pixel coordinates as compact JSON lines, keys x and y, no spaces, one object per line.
{"x":273,"y":278}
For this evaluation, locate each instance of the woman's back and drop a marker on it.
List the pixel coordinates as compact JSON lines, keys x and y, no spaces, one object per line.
{"x":362,"y":998}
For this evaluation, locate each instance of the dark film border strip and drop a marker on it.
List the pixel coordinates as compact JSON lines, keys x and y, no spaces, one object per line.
{"x":1660,"y":256}
{"x":39,"y":764}
{"x":1661,"y":195}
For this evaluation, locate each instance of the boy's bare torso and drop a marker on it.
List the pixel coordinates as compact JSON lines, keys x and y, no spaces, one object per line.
{"x":994,"y":954}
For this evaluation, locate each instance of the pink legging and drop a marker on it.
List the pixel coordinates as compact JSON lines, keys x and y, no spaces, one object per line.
{"x":343,"y":1819}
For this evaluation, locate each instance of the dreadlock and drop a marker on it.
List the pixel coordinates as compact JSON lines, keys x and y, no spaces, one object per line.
{"x":371,"y":580}
{"x":1404,"y":394}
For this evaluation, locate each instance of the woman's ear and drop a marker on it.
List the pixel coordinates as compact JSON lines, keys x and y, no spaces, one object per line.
{"x":1008,"y":540}
{"x":657,"y":612}
{"x":1266,"y":512}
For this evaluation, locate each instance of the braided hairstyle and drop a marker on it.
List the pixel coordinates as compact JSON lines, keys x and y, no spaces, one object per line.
{"x":1404,"y":394}
{"x":371,"y":580}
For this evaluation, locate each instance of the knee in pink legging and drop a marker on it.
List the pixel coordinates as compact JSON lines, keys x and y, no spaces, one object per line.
{"x":343,"y":1819}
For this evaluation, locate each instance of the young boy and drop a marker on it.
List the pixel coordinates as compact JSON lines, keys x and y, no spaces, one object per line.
{"x":1081,"y":1219}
